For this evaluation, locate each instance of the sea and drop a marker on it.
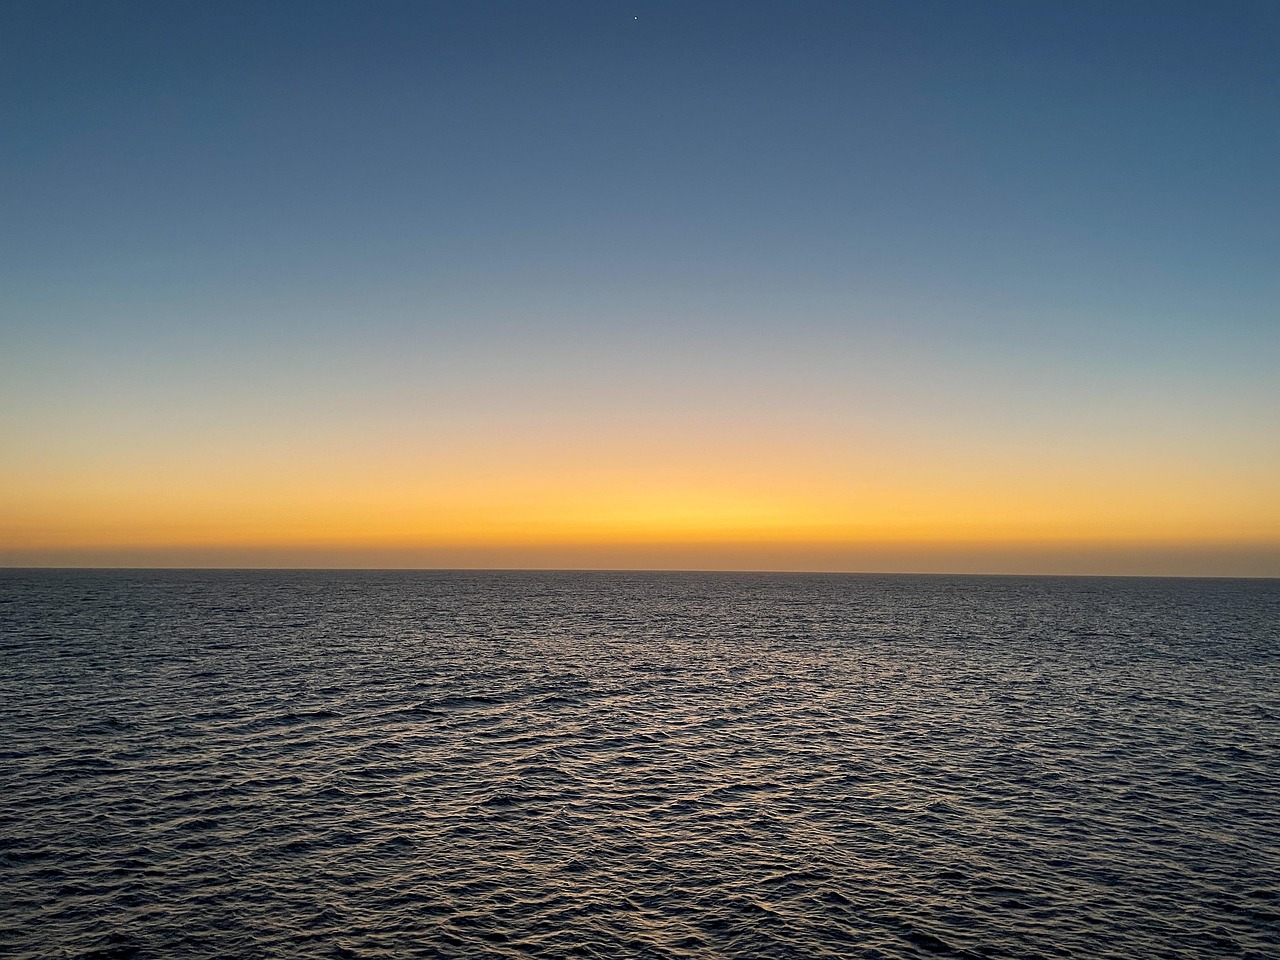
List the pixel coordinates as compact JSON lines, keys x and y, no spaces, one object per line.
{"x":321,"y":764}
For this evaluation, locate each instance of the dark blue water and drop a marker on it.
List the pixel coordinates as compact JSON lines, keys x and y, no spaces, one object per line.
{"x":265,"y":764}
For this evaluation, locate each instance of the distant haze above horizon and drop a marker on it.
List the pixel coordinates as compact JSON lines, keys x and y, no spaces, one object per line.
{"x":900,"y":287}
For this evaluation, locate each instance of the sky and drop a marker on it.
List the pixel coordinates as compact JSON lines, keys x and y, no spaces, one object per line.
{"x":882,"y":286}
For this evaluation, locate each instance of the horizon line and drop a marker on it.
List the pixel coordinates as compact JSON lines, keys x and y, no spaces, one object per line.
{"x":646,"y":570}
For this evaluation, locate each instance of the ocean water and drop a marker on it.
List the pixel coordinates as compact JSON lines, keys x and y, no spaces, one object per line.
{"x":422,"y":764}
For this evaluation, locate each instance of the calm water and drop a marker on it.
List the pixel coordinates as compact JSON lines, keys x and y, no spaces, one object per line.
{"x":265,"y":764}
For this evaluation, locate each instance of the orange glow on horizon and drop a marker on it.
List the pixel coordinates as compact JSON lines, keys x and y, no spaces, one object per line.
{"x":615,"y":512}
{"x":776,"y":498}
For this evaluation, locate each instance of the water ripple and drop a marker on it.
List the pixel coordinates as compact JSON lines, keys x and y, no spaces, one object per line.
{"x":331,"y":765}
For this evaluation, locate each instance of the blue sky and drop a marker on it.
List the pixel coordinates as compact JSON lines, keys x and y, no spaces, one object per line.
{"x":987,"y":220}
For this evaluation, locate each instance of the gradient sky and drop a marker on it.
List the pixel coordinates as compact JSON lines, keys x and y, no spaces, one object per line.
{"x":867,"y":286}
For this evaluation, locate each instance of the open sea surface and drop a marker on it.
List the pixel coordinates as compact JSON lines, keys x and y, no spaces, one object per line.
{"x":220,"y":764}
